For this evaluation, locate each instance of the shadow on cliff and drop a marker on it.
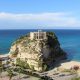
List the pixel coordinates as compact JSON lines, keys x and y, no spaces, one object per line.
{"x":70,"y":53}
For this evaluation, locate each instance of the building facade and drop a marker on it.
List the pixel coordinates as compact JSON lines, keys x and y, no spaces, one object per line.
{"x":40,"y":35}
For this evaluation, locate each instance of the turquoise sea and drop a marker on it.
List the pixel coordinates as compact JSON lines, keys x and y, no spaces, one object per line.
{"x":69,"y":40}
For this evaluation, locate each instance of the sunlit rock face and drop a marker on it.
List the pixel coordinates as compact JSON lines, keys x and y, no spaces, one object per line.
{"x":38,"y":54}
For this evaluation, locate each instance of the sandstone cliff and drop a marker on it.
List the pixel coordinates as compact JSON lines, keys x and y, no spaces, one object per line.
{"x":37,"y":54}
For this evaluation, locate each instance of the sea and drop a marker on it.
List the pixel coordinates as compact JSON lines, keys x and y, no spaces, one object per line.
{"x":69,"y":40}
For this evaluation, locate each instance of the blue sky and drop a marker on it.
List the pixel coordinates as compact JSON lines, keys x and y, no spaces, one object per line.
{"x":29,"y":14}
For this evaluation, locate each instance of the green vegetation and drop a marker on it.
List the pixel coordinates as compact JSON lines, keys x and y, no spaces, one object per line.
{"x":1,"y":69}
{"x":17,"y":41}
{"x":50,"y":33}
{"x":45,"y":67}
{"x":8,"y":62}
{"x":10,"y":73}
{"x":66,"y":70}
{"x":27,"y":47}
{"x":32,"y":67}
{"x":20,"y":71}
{"x":76,"y":78}
{"x":52,"y":40}
{"x":70,"y":71}
{"x":40,"y":62}
{"x":22,"y":64}
{"x":0,"y":63}
{"x":21,"y":38}
{"x":14,"y":54}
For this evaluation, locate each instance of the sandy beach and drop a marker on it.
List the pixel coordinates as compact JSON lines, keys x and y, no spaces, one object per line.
{"x":70,"y":64}
{"x":4,"y":55}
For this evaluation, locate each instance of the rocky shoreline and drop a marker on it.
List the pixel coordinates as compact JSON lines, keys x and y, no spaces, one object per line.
{"x":62,"y":70}
{"x":37,"y":54}
{"x":39,"y":58}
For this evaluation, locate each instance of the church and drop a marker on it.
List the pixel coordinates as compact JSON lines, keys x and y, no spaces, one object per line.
{"x":39,"y":35}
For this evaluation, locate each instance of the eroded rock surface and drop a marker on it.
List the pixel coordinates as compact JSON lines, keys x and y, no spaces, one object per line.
{"x":38,"y":54}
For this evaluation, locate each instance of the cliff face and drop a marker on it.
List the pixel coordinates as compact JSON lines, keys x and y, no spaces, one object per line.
{"x":38,"y":54}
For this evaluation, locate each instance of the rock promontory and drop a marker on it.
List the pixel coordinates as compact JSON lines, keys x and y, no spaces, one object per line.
{"x":37,"y":50}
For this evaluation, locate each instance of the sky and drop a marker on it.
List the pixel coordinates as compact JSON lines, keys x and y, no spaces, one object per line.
{"x":40,"y":14}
